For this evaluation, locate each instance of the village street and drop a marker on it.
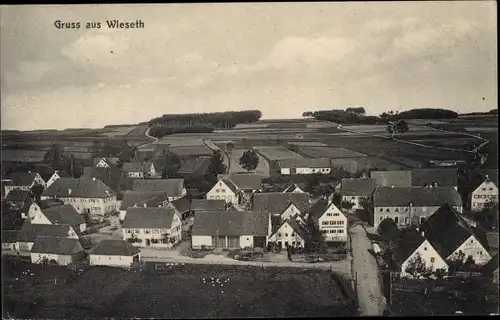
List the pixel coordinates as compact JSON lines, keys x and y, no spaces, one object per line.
{"x":367,"y":279}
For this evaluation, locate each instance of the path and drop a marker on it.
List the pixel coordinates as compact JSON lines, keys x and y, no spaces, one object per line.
{"x":366,"y":275}
{"x":155,"y":140}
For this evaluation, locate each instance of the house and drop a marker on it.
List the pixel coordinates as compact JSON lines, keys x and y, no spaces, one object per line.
{"x":331,"y":222}
{"x":231,"y":229}
{"x":146,"y":199}
{"x":63,"y":251}
{"x":140,"y":170}
{"x":290,"y":233}
{"x":57,"y":175}
{"x":448,"y":232}
{"x":174,"y":188}
{"x":64,"y":214}
{"x":285,"y":205}
{"x":37,"y":206}
{"x":392,"y":178}
{"x":294,"y":188}
{"x":236,"y":188}
{"x":193,"y":167}
{"x":305,"y":166}
{"x":411,"y":245}
{"x":182,"y":206}
{"x":207,"y":205}
{"x":23,"y":181}
{"x":491,"y":269}
{"x":411,"y":205}
{"x":90,"y":196}
{"x":20,"y":200}
{"x":28,"y":233}
{"x":486,"y":191}
{"x":436,"y":177}
{"x":152,"y":227}
{"x":355,"y":190}
{"x":105,"y":162}
{"x":9,"y":240}
{"x":114,"y":253}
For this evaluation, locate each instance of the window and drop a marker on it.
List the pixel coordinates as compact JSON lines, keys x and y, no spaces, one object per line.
{"x":335,"y":214}
{"x":381,"y":209}
{"x":222,"y":190}
{"x":332,"y":223}
{"x":324,"y":223}
{"x":491,"y":189}
{"x":397,"y":210}
{"x":387,"y":210}
{"x":484,"y":189}
{"x":396,"y":219}
{"x":381,"y":218}
{"x":340,"y":231}
{"x":279,"y":234}
{"x":286,"y":234}
{"x":480,"y":253}
{"x":471,"y":240}
{"x":328,"y":214}
{"x":340,"y":223}
{"x":425,"y":248}
{"x":422,"y":219}
{"x":433,"y":260}
{"x":217,"y":190}
{"x":146,"y":231}
{"x":406,"y":219}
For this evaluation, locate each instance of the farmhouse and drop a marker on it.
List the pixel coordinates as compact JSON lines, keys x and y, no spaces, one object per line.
{"x":152,"y":227}
{"x":63,"y":251}
{"x":140,"y":170}
{"x":290,"y":233}
{"x":452,"y":237}
{"x":236,"y":187}
{"x":305,"y":166}
{"x":355,"y":190}
{"x":146,"y":199}
{"x":293,"y":188}
{"x":57,"y":175}
{"x":285,"y":205}
{"x":37,"y":206}
{"x":85,"y":195}
{"x":114,"y":253}
{"x":29,"y":232}
{"x":411,"y":205}
{"x":193,"y":167}
{"x":20,"y":200}
{"x":392,"y":178}
{"x":484,"y":192}
{"x":330,"y":221}
{"x":174,"y":188}
{"x":23,"y":181}
{"x":409,"y":247}
{"x":181,"y":206}
{"x":438,"y":177}
{"x":231,"y":229}
{"x":9,"y":240}
{"x":106,"y":162}
{"x":63,"y":214}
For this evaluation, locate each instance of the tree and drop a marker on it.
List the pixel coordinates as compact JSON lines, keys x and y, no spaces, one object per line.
{"x":54,"y":157}
{"x":229,"y":147}
{"x":169,"y":163}
{"x":402,"y":126}
{"x":440,"y":273}
{"x":37,"y":191}
{"x":216,"y":166}
{"x":307,"y":114}
{"x":416,"y":267}
{"x":249,"y":160}
{"x":358,"y":110}
{"x":347,"y":205}
{"x":367,"y":204}
{"x":390,"y":129}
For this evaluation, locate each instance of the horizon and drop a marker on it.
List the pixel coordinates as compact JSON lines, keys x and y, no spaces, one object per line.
{"x":279,"y":58}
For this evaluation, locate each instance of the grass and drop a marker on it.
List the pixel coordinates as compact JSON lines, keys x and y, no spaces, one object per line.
{"x":327,"y":152}
{"x":178,"y":293}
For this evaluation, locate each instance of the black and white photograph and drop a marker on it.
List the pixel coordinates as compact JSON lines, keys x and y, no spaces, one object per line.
{"x":249,"y":160}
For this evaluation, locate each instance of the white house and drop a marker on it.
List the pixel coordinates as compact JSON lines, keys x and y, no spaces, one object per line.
{"x":139,"y":169}
{"x":485,"y":192}
{"x":85,"y":195}
{"x":152,"y":227}
{"x":63,"y":251}
{"x":174,"y":188}
{"x":410,"y":247}
{"x":355,"y":190}
{"x":305,"y":166}
{"x":294,"y":188}
{"x":38,"y":206}
{"x":114,"y":253}
{"x":29,"y":232}
{"x":452,"y":237}
{"x":290,"y":233}
{"x":23,"y":181}
{"x":235,"y":188}
{"x":57,"y":175}
{"x":105,"y":162}
{"x":145,"y":199}
{"x":231,"y":229}
{"x":286,"y":205}
{"x":330,"y":221}
{"x":64,"y":214}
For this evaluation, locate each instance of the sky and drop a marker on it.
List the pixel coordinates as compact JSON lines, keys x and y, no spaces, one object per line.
{"x":280,"y":58}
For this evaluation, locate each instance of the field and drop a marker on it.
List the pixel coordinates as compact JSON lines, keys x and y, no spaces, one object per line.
{"x":327,"y":152}
{"x":186,"y":291}
{"x":277,"y":153}
{"x":262,"y":168}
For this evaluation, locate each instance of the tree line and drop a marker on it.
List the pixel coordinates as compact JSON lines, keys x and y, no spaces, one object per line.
{"x":222,"y":120}
{"x":159,"y":131}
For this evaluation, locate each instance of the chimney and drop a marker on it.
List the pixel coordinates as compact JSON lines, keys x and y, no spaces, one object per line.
{"x":145,"y":205}
{"x":409,"y":212}
{"x":486,"y":177}
{"x":93,"y":178}
{"x":392,"y":186}
{"x":69,"y":191}
{"x":435,"y":184}
{"x":56,"y":222}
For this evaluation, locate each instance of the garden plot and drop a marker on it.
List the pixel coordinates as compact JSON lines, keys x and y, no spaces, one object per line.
{"x":328,"y":152}
{"x":235,"y":155}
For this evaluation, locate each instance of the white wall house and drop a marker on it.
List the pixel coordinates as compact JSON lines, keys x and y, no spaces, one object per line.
{"x":29,"y":232}
{"x":333,"y":224}
{"x":63,"y":251}
{"x":484,"y":193}
{"x":305,"y":166}
{"x":24,"y":181}
{"x":114,"y":253}
{"x":289,"y":234}
{"x":64,"y":214}
{"x":290,"y":212}
{"x":403,"y":215}
{"x":472,"y":247}
{"x":224,"y":190}
{"x":428,"y":254}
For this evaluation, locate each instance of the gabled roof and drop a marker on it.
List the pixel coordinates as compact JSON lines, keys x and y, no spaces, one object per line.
{"x":395,"y":178}
{"x":447,"y":231}
{"x":418,"y":196}
{"x":207,"y":205}
{"x":109,"y":161}
{"x":291,"y":187}
{"x":276,"y":202}
{"x":139,"y":198}
{"x":229,"y":184}
{"x":115,"y":248}
{"x":173,"y":187}
{"x":9,"y":236}
{"x":18,"y":195}
{"x":406,"y":243}
{"x":297,"y":228}
{"x":357,"y":187}
{"x":319,"y":208}
{"x":61,"y":174}
{"x":79,"y":188}
{"x":49,"y":203}
{"x":305,"y":163}
{"x":246,"y":181}
{"x":64,"y":214}
{"x":443,"y":177}
{"x":30,"y":231}
{"x":182,"y":204}
{"x":492,"y":239}
{"x":231,"y":223}
{"x":193,"y":165}
{"x":491,"y":174}
{"x":134,"y":167}
{"x":149,"y":218}
{"x":62,"y":246}
{"x":22,"y":178}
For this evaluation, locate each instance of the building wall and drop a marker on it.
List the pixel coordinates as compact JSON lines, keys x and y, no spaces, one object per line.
{"x":429,"y":255}
{"x":333,"y":224}
{"x":9,"y":246}
{"x":222,"y":191}
{"x":134,"y":175}
{"x":54,"y":177}
{"x":473,"y":248}
{"x":287,"y":171}
{"x":155,"y":234}
{"x":25,"y":246}
{"x":118,"y":261}
{"x":401,"y":214}
{"x":198,"y":241}
{"x":40,"y":218}
{"x":285,"y":234}
{"x":486,"y":192}
{"x":62,"y":260}
{"x":9,"y":188}
{"x":290,"y":212}
{"x":33,"y":210}
{"x":94,"y":206}
{"x":355,"y":200}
